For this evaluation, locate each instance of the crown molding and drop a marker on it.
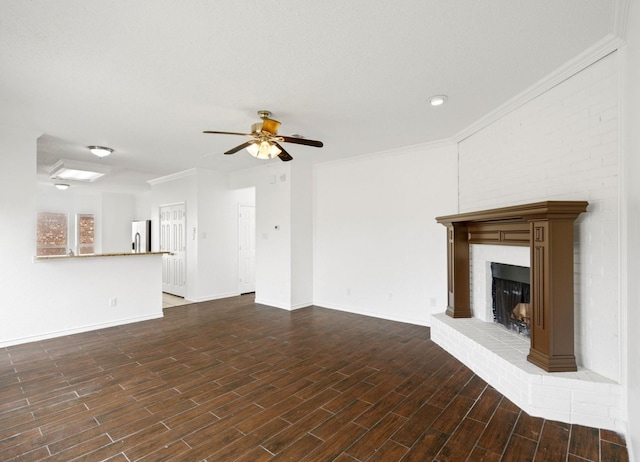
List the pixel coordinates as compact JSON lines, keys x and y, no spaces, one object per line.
{"x":173,"y":176}
{"x":420,"y":147}
{"x":591,"y":55}
{"x":604,"y":47}
{"x":620,"y":18}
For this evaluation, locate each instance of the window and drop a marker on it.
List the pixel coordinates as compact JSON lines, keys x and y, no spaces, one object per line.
{"x":51,"y":234}
{"x":85,"y":234}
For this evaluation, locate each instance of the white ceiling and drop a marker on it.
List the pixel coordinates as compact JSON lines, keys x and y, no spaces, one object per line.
{"x":146,"y":77}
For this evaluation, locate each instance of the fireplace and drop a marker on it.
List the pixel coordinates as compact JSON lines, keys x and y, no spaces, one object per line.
{"x":511,"y":297}
{"x":546,"y":228}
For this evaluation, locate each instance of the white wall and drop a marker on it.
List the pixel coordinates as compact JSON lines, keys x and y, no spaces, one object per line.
{"x":80,"y":294}
{"x":283,"y":232}
{"x":118,"y":211}
{"x":47,"y":299}
{"x":174,"y":189}
{"x":211,"y":229}
{"x":563,"y":145}
{"x":631,"y":265}
{"x":301,"y":235}
{"x":142,"y":206}
{"x":217,"y":236}
{"x":377,"y":247}
{"x":273,"y":237}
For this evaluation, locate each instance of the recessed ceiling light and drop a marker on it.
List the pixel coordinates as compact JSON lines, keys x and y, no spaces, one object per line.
{"x":100,"y":151}
{"x":62,"y":186}
{"x":438,"y":100}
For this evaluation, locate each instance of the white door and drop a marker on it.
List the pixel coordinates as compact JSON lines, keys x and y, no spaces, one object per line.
{"x":173,"y":240}
{"x":247,"y":248}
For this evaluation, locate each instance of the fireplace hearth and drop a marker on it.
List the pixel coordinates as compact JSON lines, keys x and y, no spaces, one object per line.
{"x":511,"y":297}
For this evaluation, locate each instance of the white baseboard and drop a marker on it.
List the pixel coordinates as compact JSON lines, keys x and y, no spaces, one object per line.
{"x":77,"y":330}
{"x":417,"y":322}
{"x":263,"y":301}
{"x":282,"y":306}
{"x":301,"y":305}
{"x":208,"y":298}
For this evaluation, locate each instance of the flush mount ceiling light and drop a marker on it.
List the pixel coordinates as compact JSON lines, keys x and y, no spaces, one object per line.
{"x":77,"y":171}
{"x":62,"y":186}
{"x":438,"y":100}
{"x":100,"y":151}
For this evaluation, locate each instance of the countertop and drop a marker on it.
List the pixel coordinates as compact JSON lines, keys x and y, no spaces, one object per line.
{"x":95,"y":255}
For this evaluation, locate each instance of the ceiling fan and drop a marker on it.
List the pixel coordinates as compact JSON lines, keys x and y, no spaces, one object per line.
{"x":265,"y":142}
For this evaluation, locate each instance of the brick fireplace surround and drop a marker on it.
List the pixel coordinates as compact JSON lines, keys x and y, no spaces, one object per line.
{"x":540,"y":375}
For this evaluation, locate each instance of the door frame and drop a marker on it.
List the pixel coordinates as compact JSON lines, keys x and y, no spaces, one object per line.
{"x":240,"y":205}
{"x":173,"y":204}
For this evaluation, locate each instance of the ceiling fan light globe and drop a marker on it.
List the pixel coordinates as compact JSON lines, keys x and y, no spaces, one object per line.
{"x":274,"y":151}
{"x":263,"y":150}
{"x":253,"y":149}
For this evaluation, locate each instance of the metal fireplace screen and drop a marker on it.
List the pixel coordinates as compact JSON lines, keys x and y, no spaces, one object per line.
{"x":511,"y":294}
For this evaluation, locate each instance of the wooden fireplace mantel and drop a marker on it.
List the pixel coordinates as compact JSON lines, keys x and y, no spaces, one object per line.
{"x":547,"y":229}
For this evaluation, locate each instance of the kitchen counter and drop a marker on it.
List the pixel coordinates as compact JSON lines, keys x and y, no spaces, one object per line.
{"x":95,"y":255}
{"x":86,"y":292}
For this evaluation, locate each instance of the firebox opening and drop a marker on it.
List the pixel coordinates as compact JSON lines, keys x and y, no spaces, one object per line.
{"x":511,"y":295}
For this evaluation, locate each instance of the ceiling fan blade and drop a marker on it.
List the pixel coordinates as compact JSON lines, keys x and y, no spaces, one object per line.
{"x":227,"y":133}
{"x":270,"y":126}
{"x":293,"y":139}
{"x":239,"y":148}
{"x":284,"y":155}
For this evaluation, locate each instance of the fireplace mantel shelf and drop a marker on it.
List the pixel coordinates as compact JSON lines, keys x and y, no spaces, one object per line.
{"x":547,"y":229}
{"x":524,"y":212}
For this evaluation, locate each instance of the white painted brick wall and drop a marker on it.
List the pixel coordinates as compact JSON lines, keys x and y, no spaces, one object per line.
{"x":563,"y":145}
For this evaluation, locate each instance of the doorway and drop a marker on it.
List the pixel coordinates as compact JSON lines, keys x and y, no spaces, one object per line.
{"x":173,"y":240}
{"x":246,"y":248}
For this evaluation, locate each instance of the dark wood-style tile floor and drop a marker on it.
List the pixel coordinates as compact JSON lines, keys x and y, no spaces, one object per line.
{"x":231,"y":380}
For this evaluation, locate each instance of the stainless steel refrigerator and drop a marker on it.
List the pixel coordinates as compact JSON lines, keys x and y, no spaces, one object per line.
{"x":141,"y":236}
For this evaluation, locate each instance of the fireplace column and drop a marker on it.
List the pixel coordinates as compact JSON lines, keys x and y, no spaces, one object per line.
{"x":547,"y":229}
{"x":552,"y":294}
{"x":458,"y":280}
